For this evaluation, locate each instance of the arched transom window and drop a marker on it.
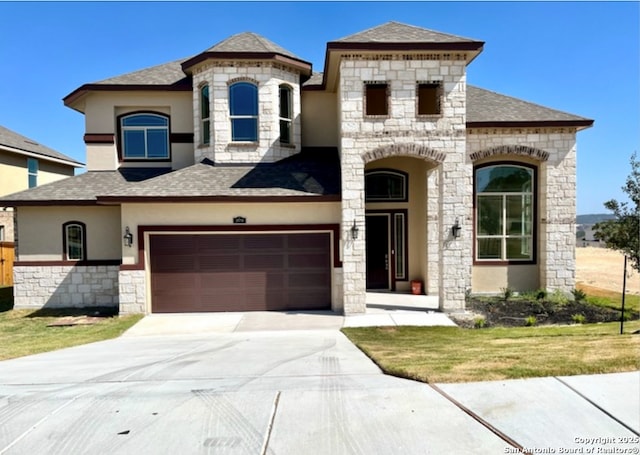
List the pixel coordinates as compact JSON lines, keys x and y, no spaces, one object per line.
{"x":505,"y":211}
{"x":144,"y":136}
{"x":385,"y":185}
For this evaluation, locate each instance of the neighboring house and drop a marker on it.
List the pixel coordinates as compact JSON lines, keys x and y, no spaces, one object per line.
{"x":24,"y":163}
{"x":238,"y":179}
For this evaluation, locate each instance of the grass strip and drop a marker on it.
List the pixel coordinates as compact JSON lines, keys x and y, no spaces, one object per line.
{"x":451,"y":354}
{"x":25,"y":332}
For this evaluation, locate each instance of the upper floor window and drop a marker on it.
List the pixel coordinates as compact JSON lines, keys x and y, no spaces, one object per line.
{"x":145,"y":136}
{"x":429,"y":96}
{"x":243,"y":110}
{"x":286,"y":115}
{"x":376,"y":99}
{"x":74,"y":241}
{"x":205,"y":121}
{"x":32,"y":171}
{"x":504,"y":212}
{"x":385,"y":185}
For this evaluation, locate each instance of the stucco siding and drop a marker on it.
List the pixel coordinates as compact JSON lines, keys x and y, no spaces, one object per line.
{"x":101,"y":117}
{"x":40,"y":232}
{"x":14,"y":174}
{"x":493,"y":279}
{"x":319,"y":119}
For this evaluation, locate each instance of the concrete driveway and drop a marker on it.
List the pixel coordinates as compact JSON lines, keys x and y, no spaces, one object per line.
{"x":289,"y":392}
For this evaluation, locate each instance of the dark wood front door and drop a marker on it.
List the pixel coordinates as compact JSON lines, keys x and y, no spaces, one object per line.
{"x":378,"y":259}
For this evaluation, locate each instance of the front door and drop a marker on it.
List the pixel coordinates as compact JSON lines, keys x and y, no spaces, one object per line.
{"x":378,"y":259}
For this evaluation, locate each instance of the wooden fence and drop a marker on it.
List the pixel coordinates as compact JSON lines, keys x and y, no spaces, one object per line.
{"x":6,"y":263}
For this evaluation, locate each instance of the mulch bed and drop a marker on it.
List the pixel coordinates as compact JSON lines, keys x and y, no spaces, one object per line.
{"x":514,"y":313}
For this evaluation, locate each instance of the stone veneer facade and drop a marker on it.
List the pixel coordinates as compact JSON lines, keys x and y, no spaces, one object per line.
{"x":6,"y":221}
{"x":133,"y":291}
{"x":553,"y":150}
{"x":268,"y":76}
{"x":59,"y":286}
{"x":439,"y":140}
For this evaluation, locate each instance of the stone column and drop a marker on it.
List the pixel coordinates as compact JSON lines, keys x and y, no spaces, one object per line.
{"x":455,"y":177}
{"x":353,"y":250}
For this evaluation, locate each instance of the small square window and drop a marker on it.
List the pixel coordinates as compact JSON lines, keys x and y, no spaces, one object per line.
{"x":429,"y":95}
{"x":376,"y":99}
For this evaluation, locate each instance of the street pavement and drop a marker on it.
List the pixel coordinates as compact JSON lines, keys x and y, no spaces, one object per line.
{"x":244,"y":388}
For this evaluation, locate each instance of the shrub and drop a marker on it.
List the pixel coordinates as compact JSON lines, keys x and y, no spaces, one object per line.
{"x":541,"y":294}
{"x":578,"y":318}
{"x":507,"y":293}
{"x":579,"y":295}
{"x":479,"y":322}
{"x":531,"y":321}
{"x":558,"y":297}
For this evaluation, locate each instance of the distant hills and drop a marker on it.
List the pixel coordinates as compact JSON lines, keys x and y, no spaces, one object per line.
{"x":593,"y":218}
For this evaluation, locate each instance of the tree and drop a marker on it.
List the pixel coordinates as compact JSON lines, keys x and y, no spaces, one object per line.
{"x":623,"y":232}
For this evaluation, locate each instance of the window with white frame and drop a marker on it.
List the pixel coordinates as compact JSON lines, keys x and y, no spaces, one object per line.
{"x":505,"y":202}
{"x":74,"y":241}
{"x":243,"y":111}
{"x":286,"y":115}
{"x":144,"y":136}
{"x":32,"y":171}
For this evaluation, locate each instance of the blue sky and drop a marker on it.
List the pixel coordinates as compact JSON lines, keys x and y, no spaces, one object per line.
{"x":578,"y":57}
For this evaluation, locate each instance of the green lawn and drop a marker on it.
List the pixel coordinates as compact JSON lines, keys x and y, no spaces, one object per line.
{"x":25,"y":332}
{"x":612,"y":299}
{"x":451,"y":354}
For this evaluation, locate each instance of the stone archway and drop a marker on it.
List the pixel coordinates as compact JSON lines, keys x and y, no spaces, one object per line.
{"x":518,"y":150}
{"x":410,"y":149}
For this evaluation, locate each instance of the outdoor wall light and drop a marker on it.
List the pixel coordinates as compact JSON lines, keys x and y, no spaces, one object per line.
{"x":354,"y":231}
{"x":128,"y":237}
{"x":455,"y":229}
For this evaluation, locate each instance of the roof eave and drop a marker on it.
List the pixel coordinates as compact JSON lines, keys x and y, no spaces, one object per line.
{"x":45,"y":202}
{"x":40,"y":156}
{"x":328,"y":80}
{"x":72,"y":98}
{"x":303,"y":66}
{"x":115,"y":200}
{"x":579,"y":124}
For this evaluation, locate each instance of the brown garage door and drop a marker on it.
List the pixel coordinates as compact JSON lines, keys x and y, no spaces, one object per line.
{"x":240,"y":272}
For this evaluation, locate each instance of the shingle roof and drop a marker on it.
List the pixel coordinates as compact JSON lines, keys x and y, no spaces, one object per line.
{"x":396,"y":32}
{"x":84,"y":187}
{"x":306,"y":174}
{"x":250,"y":42}
{"x":14,"y":140}
{"x":484,"y":106}
{"x":165,"y":74}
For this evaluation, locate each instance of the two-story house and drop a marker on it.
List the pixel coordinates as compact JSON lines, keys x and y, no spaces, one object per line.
{"x":239,"y":179}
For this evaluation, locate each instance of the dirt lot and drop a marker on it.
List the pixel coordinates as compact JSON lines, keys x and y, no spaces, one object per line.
{"x":603,"y":268}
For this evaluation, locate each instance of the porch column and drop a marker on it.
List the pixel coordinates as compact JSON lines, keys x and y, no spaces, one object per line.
{"x":456,"y":194}
{"x":353,"y":250}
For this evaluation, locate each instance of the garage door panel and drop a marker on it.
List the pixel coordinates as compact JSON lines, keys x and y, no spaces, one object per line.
{"x":240,"y":272}
{"x":219,"y":262}
{"x":308,"y":260}
{"x":264,"y":261}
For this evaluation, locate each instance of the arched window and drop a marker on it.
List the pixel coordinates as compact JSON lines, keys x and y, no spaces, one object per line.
{"x":385,"y":185}
{"x":144,"y":136}
{"x":286,"y":115}
{"x":243,"y":110}
{"x":505,"y":212}
{"x":205,"y":121}
{"x":74,"y":241}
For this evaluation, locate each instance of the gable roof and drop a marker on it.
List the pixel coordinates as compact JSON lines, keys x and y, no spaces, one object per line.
{"x":309,"y":175}
{"x":490,"y":109}
{"x":250,"y":42}
{"x":249,"y":45}
{"x":17,"y":143}
{"x":396,"y":32}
